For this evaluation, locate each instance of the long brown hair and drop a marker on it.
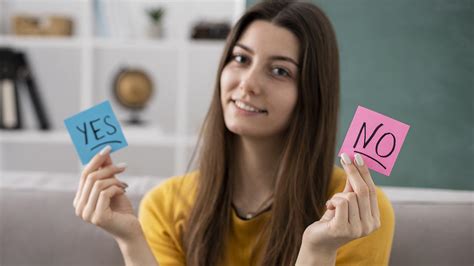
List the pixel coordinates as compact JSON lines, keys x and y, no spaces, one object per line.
{"x":307,"y":158}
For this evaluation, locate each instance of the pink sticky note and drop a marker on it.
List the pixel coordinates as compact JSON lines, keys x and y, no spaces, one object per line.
{"x":376,"y":137}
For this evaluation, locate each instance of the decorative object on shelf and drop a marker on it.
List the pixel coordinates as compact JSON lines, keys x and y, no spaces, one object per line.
{"x":101,"y":26}
{"x":53,"y":25}
{"x":15,"y":73}
{"x":26,"y":25}
{"x":210,"y":30}
{"x":133,"y":89}
{"x":156,"y":22}
{"x":56,"y":25}
{"x":114,"y":19}
{"x":10,"y":117}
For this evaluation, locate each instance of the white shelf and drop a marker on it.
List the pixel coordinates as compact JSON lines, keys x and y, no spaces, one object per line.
{"x":106,"y":43}
{"x":134,"y":137}
{"x":33,"y":41}
{"x":33,"y":137}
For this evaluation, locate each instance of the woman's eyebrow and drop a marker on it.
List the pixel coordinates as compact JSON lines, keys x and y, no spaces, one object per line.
{"x":274,"y":57}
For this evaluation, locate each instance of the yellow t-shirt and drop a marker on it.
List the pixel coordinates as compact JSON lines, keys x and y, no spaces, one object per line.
{"x":164,"y":210}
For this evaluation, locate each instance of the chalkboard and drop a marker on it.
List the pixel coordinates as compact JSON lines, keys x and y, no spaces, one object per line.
{"x":413,"y":61}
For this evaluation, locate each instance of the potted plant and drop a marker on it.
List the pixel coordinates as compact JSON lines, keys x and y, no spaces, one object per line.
{"x":156,"y":24}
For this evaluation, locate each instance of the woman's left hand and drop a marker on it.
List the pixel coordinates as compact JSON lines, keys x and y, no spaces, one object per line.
{"x":351,"y":214}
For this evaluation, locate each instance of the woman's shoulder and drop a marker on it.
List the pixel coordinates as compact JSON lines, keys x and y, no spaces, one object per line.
{"x":181,"y":184}
{"x":337,"y":181}
{"x":163,"y":213}
{"x":176,"y":193}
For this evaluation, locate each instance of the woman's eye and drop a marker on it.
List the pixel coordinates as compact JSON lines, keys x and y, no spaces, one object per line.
{"x":240,"y":58}
{"x":280,"y":72}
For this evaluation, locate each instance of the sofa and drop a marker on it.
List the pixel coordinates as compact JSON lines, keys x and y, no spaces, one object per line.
{"x":38,"y":225}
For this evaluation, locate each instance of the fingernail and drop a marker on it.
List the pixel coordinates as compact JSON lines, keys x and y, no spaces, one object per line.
{"x":346,"y":159}
{"x":359,"y":160}
{"x":125,"y":185}
{"x":121,"y":165}
{"x":105,"y":150}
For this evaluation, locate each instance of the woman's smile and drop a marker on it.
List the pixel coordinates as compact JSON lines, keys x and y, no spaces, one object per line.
{"x":245,"y":109}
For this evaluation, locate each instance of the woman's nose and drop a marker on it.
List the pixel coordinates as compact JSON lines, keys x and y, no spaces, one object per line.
{"x":250,"y":82}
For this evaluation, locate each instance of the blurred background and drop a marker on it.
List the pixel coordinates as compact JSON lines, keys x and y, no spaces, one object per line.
{"x":156,"y":62}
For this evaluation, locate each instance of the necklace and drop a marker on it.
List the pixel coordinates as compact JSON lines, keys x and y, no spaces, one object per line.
{"x":267,"y":202}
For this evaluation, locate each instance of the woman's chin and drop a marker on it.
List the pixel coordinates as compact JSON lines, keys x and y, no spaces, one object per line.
{"x":247,"y":131}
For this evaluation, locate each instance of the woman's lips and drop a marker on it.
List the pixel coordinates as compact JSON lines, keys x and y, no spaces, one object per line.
{"x":242,"y":111}
{"x":247,"y":106}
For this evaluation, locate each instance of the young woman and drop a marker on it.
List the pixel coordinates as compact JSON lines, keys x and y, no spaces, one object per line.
{"x":266,"y":191}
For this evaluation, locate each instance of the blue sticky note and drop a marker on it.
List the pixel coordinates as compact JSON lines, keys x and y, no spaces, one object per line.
{"x":93,"y":129}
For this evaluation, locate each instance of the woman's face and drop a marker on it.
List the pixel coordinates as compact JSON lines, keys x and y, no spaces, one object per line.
{"x":259,"y":83}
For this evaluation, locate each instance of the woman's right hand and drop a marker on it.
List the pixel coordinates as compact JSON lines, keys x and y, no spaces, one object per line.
{"x":101,"y":200}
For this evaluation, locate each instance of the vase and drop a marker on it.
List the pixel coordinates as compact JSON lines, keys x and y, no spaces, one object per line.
{"x":155,"y":31}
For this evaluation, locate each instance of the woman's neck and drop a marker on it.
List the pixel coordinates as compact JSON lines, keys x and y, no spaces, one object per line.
{"x":255,"y":163}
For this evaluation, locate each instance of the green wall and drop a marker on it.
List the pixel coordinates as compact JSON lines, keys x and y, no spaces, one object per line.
{"x":413,"y":61}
